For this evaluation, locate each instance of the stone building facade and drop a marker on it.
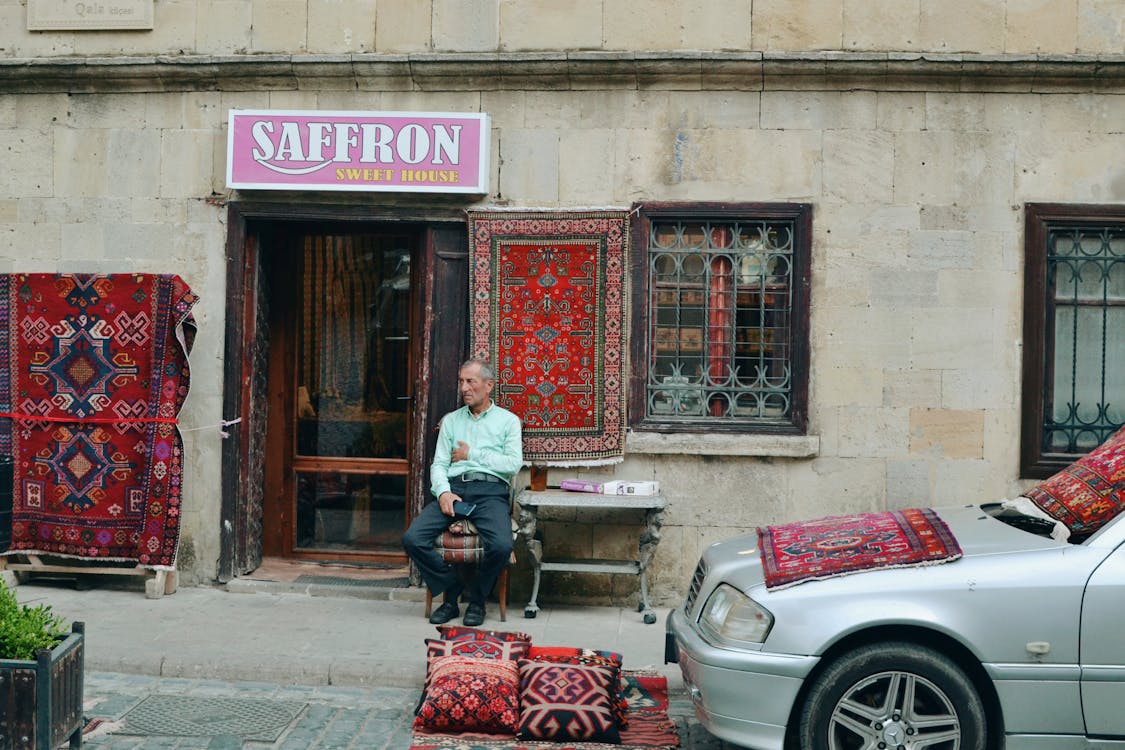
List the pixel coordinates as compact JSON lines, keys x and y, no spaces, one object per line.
{"x":917,"y":133}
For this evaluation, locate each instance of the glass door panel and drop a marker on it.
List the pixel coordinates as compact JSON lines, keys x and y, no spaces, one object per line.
{"x":353,"y":393}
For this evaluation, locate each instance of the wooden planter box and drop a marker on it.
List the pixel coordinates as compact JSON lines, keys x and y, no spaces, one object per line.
{"x":41,"y":700}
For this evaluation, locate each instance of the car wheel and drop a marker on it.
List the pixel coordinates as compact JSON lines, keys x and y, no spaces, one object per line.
{"x":899,"y":696}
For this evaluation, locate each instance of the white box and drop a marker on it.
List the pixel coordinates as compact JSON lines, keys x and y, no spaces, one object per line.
{"x":630,"y":488}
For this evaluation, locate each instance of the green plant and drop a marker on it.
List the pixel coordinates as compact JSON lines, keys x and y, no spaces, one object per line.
{"x":26,"y":630}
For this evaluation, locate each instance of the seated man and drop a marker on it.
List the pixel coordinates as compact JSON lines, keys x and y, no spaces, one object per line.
{"x":479,"y":450}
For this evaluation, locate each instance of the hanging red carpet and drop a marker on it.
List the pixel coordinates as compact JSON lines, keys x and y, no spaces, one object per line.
{"x":93,"y":373}
{"x":547,"y":297}
{"x":807,"y":550}
{"x":649,"y":727}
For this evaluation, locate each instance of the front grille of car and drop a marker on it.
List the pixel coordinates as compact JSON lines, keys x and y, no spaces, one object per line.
{"x":693,"y":589}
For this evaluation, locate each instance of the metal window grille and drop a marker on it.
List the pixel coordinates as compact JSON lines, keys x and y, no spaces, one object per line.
{"x":720,"y":302}
{"x":1086,"y":309}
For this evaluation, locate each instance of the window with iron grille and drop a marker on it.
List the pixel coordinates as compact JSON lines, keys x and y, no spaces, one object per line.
{"x":1074,"y":346}
{"x":721,"y":298}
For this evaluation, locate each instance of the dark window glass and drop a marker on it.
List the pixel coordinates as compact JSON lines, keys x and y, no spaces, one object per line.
{"x":725,"y":311}
{"x":1074,"y":350}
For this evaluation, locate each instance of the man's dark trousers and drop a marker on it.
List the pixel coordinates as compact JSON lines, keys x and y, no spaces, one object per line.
{"x":493,"y":519}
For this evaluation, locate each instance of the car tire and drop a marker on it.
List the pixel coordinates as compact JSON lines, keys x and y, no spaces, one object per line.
{"x":859,"y":701}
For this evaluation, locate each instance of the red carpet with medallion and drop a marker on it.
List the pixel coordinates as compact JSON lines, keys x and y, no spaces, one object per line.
{"x":807,"y":550}
{"x":649,"y":728}
{"x":547,"y":302}
{"x":93,"y":373}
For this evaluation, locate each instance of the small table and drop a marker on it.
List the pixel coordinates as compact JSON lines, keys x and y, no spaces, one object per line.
{"x":531,"y":501}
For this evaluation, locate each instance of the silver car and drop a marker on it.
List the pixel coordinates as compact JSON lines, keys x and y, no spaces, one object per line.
{"x":1018,"y":644}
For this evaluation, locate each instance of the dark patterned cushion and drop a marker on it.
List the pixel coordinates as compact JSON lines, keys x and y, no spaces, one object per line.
{"x":566,"y":702}
{"x":471,"y":695}
{"x":459,"y":549}
{"x":612,"y":660}
{"x":477,"y":648}
{"x":458,"y":633}
{"x":1090,"y":492}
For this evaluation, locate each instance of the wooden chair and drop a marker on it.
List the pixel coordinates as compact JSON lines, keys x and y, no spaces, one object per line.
{"x":461,"y":545}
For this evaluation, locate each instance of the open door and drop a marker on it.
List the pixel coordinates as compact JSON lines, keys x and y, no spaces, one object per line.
{"x":344,"y":333}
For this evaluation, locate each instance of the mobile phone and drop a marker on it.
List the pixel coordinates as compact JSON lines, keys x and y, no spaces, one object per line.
{"x":462,"y":509}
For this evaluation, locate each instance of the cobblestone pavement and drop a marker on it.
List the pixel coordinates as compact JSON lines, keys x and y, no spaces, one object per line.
{"x":326,"y":717}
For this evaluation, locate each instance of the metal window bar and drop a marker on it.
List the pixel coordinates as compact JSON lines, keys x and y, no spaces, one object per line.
{"x":1085,"y":393}
{"x":720,"y":300}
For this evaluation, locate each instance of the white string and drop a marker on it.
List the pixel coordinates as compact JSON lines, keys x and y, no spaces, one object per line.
{"x":219,"y":426}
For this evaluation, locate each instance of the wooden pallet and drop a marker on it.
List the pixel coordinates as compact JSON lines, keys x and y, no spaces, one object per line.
{"x":161,"y":582}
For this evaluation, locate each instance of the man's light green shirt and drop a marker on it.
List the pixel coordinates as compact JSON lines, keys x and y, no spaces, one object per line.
{"x":495,"y":443}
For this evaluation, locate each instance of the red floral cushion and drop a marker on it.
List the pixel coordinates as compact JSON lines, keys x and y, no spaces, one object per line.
{"x":612,"y":660}
{"x":477,"y":648}
{"x":1090,"y":492}
{"x":459,"y":633}
{"x":567,"y":702}
{"x":471,"y":695}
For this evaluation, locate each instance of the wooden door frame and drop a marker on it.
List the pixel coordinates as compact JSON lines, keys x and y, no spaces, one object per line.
{"x":242,"y":457}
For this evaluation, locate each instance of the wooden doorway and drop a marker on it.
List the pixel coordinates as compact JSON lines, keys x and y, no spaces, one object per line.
{"x":330,"y":463}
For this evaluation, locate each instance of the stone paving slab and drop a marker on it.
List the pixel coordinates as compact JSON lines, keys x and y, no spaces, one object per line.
{"x":357,"y":663}
{"x":334,"y":718}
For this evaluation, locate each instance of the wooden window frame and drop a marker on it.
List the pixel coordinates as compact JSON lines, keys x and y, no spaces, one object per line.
{"x":1037,"y":381}
{"x":648,"y":213}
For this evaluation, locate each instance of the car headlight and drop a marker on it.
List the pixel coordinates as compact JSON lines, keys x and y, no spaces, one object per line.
{"x":729,"y":616}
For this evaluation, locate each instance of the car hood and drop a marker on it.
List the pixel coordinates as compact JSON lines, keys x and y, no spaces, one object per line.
{"x":737,"y":560}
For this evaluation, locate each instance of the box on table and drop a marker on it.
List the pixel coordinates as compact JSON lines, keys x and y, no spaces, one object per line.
{"x":611,"y":488}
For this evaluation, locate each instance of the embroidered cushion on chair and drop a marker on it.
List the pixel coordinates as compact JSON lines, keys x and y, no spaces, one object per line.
{"x":459,"y":549}
{"x":566,"y":702}
{"x":471,"y":695}
{"x":1090,"y":492}
{"x":611,"y":660}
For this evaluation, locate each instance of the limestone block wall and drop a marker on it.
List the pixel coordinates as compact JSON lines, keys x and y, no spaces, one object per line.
{"x":225,"y":27}
{"x":917,"y":183}
{"x":116,"y":184}
{"x":917,"y":283}
{"x":916,"y":264}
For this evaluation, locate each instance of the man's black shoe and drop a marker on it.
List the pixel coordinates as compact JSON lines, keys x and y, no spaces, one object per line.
{"x":474,"y":615}
{"x":446,"y":612}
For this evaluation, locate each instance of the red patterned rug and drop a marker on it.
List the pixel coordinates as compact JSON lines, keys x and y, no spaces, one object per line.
{"x":93,"y":372}
{"x":547,"y":295}
{"x":1090,"y":492}
{"x":649,"y":726}
{"x":807,"y":550}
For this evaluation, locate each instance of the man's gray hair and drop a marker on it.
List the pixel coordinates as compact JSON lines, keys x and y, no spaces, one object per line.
{"x":486,"y":372}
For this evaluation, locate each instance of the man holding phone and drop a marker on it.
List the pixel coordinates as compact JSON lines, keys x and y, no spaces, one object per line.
{"x":479,"y":450}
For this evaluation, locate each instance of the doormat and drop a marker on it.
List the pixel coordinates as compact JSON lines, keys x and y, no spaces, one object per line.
{"x":649,"y":726}
{"x":793,"y":553}
{"x":394,"y":583}
{"x":93,"y":373}
{"x":254,"y":719}
{"x":547,"y":309}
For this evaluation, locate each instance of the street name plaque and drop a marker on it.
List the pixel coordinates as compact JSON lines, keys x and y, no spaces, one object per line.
{"x":88,"y":15}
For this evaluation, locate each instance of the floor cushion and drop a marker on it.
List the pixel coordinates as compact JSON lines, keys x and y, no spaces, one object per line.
{"x":567,"y":702}
{"x":471,"y":695}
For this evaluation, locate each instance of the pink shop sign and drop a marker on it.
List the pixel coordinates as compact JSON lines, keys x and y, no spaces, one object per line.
{"x":404,"y":152}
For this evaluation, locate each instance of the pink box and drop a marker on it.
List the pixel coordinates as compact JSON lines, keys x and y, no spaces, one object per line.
{"x":578,"y":485}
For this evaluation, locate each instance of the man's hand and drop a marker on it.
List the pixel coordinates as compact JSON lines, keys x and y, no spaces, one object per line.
{"x":461,"y":452}
{"x":445,"y":502}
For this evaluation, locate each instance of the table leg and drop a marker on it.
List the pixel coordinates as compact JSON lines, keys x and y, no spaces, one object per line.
{"x":650,"y":537}
{"x":527,"y":520}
